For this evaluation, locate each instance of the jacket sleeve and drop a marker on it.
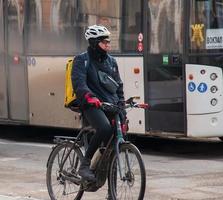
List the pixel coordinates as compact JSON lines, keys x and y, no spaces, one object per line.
{"x":120,"y":91}
{"x":79,"y":77}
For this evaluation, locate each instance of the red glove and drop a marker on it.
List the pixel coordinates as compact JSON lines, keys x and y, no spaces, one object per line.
{"x":92,"y":100}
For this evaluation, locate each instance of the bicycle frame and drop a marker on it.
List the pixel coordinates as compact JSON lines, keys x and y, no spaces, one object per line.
{"x":82,"y":135}
{"x":120,"y":140}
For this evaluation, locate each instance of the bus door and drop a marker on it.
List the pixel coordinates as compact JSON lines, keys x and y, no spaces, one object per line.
{"x":204,"y":86}
{"x":3,"y":93}
{"x":163,"y":66}
{"x":13,"y":67}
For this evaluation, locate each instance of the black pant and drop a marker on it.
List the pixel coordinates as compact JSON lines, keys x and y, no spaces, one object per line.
{"x":100,"y":122}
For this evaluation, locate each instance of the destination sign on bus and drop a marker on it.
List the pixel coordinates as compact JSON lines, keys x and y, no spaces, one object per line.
{"x":214,"y":39}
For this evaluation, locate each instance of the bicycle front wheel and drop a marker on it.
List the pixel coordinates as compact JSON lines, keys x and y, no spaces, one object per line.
{"x":62,"y":179}
{"x":133,"y":181}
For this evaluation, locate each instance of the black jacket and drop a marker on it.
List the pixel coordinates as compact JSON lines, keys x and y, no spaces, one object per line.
{"x":85,"y":78}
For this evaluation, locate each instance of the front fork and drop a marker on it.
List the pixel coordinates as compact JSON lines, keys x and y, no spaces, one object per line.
{"x":120,"y":140}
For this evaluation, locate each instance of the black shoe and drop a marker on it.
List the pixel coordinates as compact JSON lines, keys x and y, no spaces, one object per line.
{"x":85,"y":172}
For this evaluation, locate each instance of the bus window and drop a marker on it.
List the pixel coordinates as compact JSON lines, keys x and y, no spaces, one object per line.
{"x":57,"y":27}
{"x":132,"y":16}
{"x":206,"y":26}
{"x":164,"y":26}
{"x":52,"y":26}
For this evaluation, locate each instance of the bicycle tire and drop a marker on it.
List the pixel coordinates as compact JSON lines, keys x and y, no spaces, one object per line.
{"x":116,"y":185}
{"x":56,"y":178}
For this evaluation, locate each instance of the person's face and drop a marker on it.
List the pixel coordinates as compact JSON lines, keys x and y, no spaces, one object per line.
{"x":105,"y":45}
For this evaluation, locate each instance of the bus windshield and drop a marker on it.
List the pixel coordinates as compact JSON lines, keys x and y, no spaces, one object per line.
{"x":206,"y":26}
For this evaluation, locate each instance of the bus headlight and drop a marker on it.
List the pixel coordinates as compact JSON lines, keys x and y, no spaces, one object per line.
{"x":213,"y":76}
{"x":214,"y":102}
{"x":214,"y":89}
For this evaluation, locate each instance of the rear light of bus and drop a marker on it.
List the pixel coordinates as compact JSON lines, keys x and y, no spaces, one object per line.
{"x":16,"y":59}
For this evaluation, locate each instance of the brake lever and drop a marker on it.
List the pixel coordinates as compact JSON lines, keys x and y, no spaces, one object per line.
{"x":143,"y":105}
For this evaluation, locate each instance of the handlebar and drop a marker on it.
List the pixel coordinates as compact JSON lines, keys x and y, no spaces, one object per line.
{"x":130,"y":103}
{"x":115,"y":108}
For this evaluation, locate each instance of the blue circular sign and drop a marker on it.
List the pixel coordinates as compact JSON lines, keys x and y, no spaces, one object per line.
{"x":191,"y":86}
{"x":202,"y":87}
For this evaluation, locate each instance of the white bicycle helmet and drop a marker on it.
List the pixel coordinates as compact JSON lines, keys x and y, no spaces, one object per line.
{"x":96,"y":31}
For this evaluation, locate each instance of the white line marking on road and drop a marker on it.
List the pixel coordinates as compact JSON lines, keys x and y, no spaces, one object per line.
{"x":2,"y":197}
{"x":28,"y":144}
{"x":8,"y":159}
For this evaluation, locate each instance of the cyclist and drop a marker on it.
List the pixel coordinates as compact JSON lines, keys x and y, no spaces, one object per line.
{"x":91,"y":90}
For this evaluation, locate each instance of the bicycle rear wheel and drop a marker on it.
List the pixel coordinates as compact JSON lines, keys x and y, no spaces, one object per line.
{"x":63,"y":182}
{"x":133,"y":182}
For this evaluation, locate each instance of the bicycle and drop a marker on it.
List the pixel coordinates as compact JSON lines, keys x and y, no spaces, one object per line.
{"x":115,"y":162}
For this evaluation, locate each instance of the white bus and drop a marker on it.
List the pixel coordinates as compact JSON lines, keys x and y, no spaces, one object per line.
{"x":169,"y":54}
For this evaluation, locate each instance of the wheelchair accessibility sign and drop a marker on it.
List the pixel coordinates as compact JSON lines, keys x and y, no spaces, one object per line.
{"x":202,"y":87}
{"x":191,"y":86}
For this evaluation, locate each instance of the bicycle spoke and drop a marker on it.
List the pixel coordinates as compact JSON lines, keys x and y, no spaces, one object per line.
{"x":61,"y":173}
{"x":132,"y":184}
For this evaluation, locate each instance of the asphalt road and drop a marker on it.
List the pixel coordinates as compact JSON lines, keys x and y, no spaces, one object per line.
{"x":176,"y":169}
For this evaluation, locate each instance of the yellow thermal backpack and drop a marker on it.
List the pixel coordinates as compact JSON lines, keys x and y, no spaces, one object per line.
{"x":70,"y":95}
